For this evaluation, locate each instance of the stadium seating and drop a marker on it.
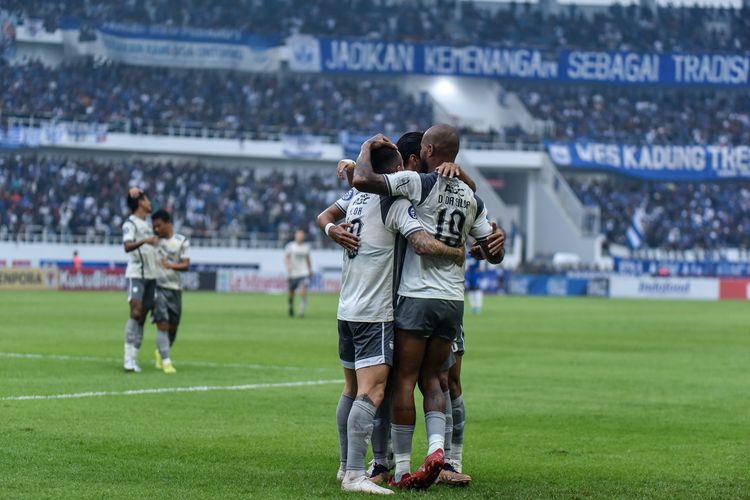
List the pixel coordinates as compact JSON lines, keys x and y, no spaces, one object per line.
{"x":75,"y":196}
{"x":652,"y":116}
{"x":677,"y":216}
{"x":618,"y":28}
{"x":134,"y":99}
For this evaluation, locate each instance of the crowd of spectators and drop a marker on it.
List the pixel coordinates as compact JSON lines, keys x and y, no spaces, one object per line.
{"x":631,"y":27}
{"x":674,"y":216}
{"x":86,"y":196}
{"x":652,"y":116}
{"x":158,"y":98}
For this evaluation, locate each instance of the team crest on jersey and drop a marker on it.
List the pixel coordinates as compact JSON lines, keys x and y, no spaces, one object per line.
{"x":348,"y":195}
{"x":412,"y":212}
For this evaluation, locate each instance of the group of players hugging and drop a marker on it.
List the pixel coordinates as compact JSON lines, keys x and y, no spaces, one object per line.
{"x":404,"y":226}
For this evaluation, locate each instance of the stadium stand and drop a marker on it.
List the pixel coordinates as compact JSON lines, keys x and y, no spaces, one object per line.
{"x":652,"y":116}
{"x":674,"y":216}
{"x":618,"y":28}
{"x":80,"y":197}
{"x":134,"y":98}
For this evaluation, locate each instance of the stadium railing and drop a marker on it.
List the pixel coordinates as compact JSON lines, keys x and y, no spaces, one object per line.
{"x":202,"y":131}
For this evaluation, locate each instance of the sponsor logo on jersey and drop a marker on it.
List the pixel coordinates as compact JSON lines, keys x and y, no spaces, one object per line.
{"x":348,"y":195}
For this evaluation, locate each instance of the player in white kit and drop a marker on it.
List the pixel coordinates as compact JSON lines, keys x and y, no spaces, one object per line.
{"x":299,"y":270}
{"x":429,"y":313}
{"x":365,"y":311}
{"x":139,"y":242}
{"x":174,"y":258}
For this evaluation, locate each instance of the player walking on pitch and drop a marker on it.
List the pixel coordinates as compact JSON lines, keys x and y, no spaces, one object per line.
{"x":299,"y":270}
{"x":139,"y":241}
{"x":365,"y":311}
{"x":174,"y":257}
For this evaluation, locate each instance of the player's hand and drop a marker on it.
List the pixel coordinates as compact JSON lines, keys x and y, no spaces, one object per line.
{"x":496,"y":240}
{"x":460,"y":258}
{"x":448,"y":169}
{"x":151,"y":240}
{"x":165,"y":264}
{"x":343,"y":237}
{"x":344,"y":167}
{"x":476,"y":252}
{"x":379,"y":141}
{"x":134,"y":192}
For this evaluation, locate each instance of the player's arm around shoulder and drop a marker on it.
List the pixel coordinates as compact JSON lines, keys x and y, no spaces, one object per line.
{"x":365,"y":178}
{"x":129,"y":234}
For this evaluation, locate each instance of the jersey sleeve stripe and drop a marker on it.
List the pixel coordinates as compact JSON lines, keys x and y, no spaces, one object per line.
{"x":388,"y":185}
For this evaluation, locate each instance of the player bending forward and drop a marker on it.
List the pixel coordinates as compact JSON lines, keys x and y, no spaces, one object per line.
{"x":365,"y":312}
{"x":429,"y":313}
{"x":139,"y":241}
{"x":299,"y":269}
{"x":174,"y":254}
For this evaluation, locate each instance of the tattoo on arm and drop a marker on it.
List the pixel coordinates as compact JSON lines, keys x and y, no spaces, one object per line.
{"x":424,"y":244}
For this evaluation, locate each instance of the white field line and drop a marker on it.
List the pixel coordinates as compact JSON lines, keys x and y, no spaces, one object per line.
{"x":210,"y":364}
{"x":162,"y":390}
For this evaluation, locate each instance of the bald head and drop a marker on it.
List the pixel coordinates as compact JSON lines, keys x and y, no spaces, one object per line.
{"x":439,"y":144}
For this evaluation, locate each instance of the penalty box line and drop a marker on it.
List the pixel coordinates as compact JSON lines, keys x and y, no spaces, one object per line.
{"x":165,"y":390}
{"x":209,"y":364}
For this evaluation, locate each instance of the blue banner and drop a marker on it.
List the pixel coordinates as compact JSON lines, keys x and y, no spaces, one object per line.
{"x":707,"y":268}
{"x":351,"y":55}
{"x":656,"y":162}
{"x":543,"y":284}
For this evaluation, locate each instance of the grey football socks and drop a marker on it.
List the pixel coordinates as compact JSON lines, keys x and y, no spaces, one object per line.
{"x":302,"y":304}
{"x":401,"y":435}
{"x":359,"y":429}
{"x":448,"y":423}
{"x":435,"y":427}
{"x":459,"y":420}
{"x":162,"y":343}
{"x":381,"y":432}
{"x":342,"y":416}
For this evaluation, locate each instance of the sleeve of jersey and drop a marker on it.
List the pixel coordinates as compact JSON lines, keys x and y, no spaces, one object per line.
{"x":345,"y":200}
{"x":403,"y":218}
{"x":406,"y":184}
{"x":481,"y":228}
{"x":185,"y":251}
{"x":128,"y":232}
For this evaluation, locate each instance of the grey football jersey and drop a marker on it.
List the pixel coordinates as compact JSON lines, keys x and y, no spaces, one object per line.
{"x":451,"y":212}
{"x":174,"y":250}
{"x":142,"y":263}
{"x":367,"y":276}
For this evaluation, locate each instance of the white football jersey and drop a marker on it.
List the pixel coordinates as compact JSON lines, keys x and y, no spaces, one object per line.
{"x":143,"y":263}
{"x":174,"y":250}
{"x":451,"y":212}
{"x":298,"y":256}
{"x":368,"y":273}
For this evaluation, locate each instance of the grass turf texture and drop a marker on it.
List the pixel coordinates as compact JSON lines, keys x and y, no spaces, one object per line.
{"x":566,"y":398}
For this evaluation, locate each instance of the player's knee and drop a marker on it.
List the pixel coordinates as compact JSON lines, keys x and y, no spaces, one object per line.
{"x":136,"y":311}
{"x":443,"y":377}
{"x":454,"y":386}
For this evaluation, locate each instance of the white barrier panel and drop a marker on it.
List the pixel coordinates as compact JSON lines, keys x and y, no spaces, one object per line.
{"x":664,"y":288}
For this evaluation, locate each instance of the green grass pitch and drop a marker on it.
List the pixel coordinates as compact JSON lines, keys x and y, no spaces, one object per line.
{"x":566,"y":398}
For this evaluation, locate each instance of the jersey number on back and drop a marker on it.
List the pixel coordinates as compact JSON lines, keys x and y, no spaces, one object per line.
{"x":450,"y":227}
{"x":356,"y":230}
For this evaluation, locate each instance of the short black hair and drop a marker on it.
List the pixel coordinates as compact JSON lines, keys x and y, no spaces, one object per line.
{"x":133,"y":201}
{"x":409,"y":144}
{"x":385,"y":160}
{"x":162,"y":215}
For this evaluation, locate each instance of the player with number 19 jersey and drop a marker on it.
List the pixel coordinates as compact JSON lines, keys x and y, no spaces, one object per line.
{"x":449,"y":210}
